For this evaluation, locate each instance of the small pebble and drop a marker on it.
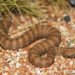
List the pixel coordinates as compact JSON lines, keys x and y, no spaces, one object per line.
{"x":18,"y":65}
{"x":72,"y":3}
{"x":27,"y":66}
{"x":67,"y":18}
{"x":5,"y":73}
{"x":71,"y":62}
{"x":38,"y":71}
{"x":18,"y":53}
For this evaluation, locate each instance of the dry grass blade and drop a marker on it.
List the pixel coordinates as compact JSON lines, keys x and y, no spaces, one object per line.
{"x":21,"y":5}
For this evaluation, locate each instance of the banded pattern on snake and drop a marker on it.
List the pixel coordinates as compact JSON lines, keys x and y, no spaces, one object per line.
{"x":35,"y":55}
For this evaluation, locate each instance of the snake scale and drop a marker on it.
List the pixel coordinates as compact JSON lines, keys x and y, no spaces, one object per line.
{"x":52,"y":40}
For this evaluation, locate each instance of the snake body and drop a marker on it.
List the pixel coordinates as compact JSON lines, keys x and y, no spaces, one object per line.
{"x":52,"y":40}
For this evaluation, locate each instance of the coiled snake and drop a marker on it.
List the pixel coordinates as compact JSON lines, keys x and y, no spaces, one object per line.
{"x":35,"y":55}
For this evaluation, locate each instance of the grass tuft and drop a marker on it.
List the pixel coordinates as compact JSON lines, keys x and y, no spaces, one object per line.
{"x":25,"y":6}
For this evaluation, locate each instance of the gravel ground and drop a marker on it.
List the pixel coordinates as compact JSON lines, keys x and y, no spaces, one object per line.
{"x":16,"y":62}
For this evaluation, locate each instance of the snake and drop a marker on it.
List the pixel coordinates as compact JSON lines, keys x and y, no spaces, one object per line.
{"x":43,"y":53}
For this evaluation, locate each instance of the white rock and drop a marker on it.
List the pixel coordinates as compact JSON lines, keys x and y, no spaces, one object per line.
{"x":18,"y":53}
{"x":5,"y":73}
{"x":27,"y":66}
{"x":18,"y":65}
{"x":38,"y":71}
{"x":71,"y":62}
{"x":73,"y":26}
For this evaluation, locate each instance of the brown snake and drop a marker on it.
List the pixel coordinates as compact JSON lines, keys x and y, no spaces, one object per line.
{"x":35,"y":55}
